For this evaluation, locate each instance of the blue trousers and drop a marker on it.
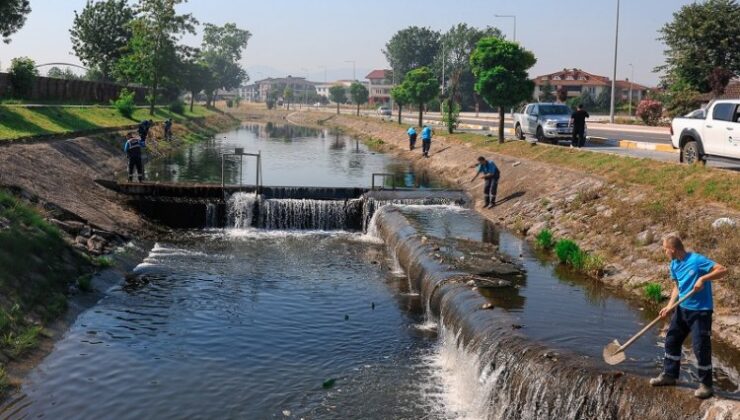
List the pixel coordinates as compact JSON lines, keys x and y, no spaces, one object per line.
{"x":489,"y":190}
{"x":699,"y":324}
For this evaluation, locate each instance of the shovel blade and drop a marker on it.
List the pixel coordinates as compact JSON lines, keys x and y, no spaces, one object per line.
{"x":612,"y":354}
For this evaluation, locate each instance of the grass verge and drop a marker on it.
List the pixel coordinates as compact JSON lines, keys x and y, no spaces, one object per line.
{"x":673,"y":180}
{"x":36,"y":269}
{"x":20,"y":122}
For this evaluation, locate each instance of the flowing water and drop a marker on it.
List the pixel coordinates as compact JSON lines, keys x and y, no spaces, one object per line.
{"x":291,"y":156}
{"x":274,"y":322}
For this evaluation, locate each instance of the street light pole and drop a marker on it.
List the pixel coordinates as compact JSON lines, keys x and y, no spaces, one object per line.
{"x":509,"y":16}
{"x":632,"y":78}
{"x":614,"y":73}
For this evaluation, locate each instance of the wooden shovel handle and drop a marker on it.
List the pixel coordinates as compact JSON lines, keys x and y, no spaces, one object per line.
{"x":651,"y":324}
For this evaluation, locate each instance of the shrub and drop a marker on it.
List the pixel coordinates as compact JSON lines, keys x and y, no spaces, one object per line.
{"x":84,"y":283}
{"x":544,"y":239}
{"x":594,"y":265}
{"x":125,"y":103}
{"x":21,"y":76}
{"x":229,"y":103}
{"x":177,"y":107}
{"x":653,"y":291}
{"x":650,"y":111}
{"x":564,"y":248}
{"x":102,"y":261}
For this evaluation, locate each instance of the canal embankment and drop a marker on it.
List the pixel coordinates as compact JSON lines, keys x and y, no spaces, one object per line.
{"x":617,"y":208}
{"x":56,"y":223}
{"x":518,"y":377}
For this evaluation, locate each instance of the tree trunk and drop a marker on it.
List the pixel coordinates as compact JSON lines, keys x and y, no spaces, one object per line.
{"x":399,"y":114}
{"x":154,"y":98}
{"x":337,"y":108}
{"x":358,"y":110}
{"x":192,"y":99}
{"x":501,"y":125}
{"x":450,"y":128}
{"x":477,"y":106}
{"x":421,"y":115}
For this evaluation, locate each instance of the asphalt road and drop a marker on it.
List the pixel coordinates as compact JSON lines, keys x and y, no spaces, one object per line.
{"x":595,"y":129}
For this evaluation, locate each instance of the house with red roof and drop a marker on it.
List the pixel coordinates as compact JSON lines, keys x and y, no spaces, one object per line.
{"x":577,"y":82}
{"x":379,"y":86}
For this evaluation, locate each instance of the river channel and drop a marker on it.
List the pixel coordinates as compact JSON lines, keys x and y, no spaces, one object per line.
{"x":257,"y":323}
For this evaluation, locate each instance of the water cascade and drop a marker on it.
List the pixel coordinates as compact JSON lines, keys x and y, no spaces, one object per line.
{"x":492,"y":371}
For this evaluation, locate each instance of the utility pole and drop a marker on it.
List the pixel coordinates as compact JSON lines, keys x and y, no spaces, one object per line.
{"x":305,"y":87}
{"x":324,"y":67}
{"x":632,"y":78}
{"x":509,"y":16}
{"x":614,"y":73}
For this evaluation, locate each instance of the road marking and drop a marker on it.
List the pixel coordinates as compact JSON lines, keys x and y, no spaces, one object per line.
{"x":631,"y":144}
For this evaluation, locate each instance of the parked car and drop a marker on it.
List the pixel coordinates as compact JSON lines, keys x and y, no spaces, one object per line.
{"x":384,"y":111}
{"x":548,"y":122}
{"x":713,"y":134}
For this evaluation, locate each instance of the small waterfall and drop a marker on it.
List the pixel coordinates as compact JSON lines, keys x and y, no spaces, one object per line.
{"x":241,"y":208}
{"x":372,"y":206}
{"x":291,"y":214}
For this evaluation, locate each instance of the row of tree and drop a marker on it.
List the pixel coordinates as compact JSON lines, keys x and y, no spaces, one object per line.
{"x":141,"y":44}
{"x":445,"y":54}
{"x":499,"y":70}
{"x":459,"y":68}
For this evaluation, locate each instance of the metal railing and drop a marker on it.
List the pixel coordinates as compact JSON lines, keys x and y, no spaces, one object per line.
{"x":384,"y":176}
{"x":241,"y":153}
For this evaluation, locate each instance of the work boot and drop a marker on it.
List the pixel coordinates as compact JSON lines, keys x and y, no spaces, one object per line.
{"x":663,"y":380}
{"x":704,"y":392}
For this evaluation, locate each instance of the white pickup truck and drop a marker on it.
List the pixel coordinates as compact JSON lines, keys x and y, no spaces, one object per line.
{"x":711,"y":134}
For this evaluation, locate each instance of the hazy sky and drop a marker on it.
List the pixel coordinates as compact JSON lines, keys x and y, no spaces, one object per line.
{"x":291,"y":35}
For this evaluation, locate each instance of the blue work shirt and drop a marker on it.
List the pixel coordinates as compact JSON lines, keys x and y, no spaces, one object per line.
{"x":488,"y":168}
{"x":411,"y":131}
{"x":426,"y":133}
{"x":132,"y":144}
{"x":686,"y":272}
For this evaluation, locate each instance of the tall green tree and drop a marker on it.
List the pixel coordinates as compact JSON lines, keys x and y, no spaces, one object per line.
{"x":421,"y":86}
{"x":21,"y":76}
{"x":288,"y":95}
{"x":359,"y":94}
{"x":500,"y":68}
{"x":12,"y":17}
{"x":101,"y":33}
{"x":401,"y":98}
{"x":454,"y":61}
{"x":411,"y":48}
{"x":195,"y":75}
{"x":338,"y":94}
{"x":152,"y":56}
{"x":57,"y":73}
{"x":703,"y":38}
{"x":222,"y":49}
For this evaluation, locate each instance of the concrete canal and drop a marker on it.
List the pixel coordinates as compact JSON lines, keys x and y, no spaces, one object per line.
{"x":280,"y":316}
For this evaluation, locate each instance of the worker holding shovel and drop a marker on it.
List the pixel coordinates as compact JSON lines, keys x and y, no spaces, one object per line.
{"x":693,"y":275}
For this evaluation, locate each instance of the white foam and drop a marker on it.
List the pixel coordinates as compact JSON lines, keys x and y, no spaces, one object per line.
{"x":465,"y":385}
